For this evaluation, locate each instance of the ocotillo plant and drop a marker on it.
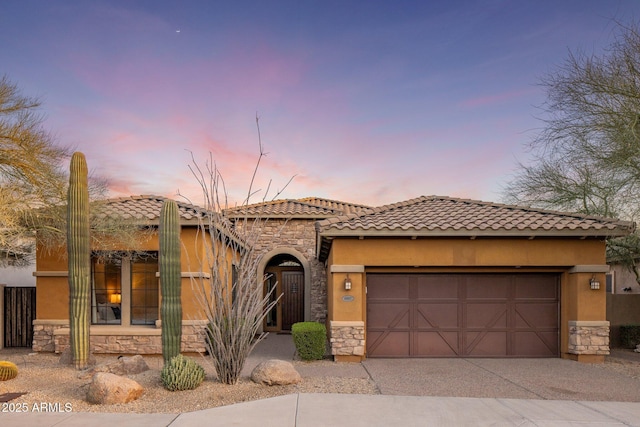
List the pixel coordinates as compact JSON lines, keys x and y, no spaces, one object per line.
{"x":78,"y":251}
{"x":169,"y":263}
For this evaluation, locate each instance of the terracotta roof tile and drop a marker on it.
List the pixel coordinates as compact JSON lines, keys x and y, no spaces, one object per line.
{"x":310,"y":207}
{"x":145,"y":208}
{"x":435,"y":215}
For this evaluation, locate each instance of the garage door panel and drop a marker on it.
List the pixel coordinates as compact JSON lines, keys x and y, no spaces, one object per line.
{"x":390,"y":288}
{"x":528,"y":287}
{"x":441,"y":344}
{"x":538,"y":315}
{"x":388,"y":316}
{"x":486,"y":287}
{"x":536,"y":344}
{"x":442,"y":315}
{"x":486,"y":344}
{"x":437,"y":287}
{"x":468,"y":315}
{"x":486,"y":316}
{"x":389,"y":344}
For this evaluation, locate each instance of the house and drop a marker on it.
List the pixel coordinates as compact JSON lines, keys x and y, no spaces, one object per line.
{"x":427,"y":277}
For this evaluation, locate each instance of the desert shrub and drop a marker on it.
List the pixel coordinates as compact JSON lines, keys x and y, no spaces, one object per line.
{"x":181,"y":373}
{"x":310,"y":339}
{"x":629,"y":336}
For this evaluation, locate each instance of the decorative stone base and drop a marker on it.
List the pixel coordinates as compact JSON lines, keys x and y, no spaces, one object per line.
{"x":588,"y":337}
{"x":347,"y":338}
{"x":53,"y":336}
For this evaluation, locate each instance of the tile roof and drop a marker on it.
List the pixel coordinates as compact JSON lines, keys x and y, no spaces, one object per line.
{"x":445,"y":216}
{"x":310,"y":207}
{"x":146,"y":208}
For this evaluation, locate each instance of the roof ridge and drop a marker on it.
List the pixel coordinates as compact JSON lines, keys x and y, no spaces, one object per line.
{"x":305,"y":199}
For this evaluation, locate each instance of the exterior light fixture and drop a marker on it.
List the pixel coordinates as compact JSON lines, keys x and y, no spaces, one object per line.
{"x":595,"y":285}
{"x":115,"y":298}
{"x":347,"y":283}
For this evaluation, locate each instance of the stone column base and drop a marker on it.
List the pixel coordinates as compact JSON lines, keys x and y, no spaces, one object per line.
{"x":347,"y":340}
{"x":588,"y":337}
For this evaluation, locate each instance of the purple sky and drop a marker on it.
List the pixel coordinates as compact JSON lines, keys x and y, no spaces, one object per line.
{"x":371,"y":102}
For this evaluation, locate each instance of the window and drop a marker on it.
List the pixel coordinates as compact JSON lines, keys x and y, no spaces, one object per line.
{"x":125,"y":290}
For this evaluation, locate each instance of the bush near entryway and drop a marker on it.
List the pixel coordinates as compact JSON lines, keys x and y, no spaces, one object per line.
{"x":310,"y":339}
{"x":629,"y":336}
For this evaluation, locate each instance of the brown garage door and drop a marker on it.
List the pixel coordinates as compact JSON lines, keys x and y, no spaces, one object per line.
{"x":469,"y":315}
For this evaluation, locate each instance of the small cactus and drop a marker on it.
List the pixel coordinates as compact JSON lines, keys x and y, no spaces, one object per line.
{"x":181,"y":373}
{"x":8,"y":370}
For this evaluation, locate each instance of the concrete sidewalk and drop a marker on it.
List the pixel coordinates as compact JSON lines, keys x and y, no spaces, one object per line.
{"x":311,"y":410}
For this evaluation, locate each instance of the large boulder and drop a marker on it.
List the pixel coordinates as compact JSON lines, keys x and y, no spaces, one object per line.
{"x":107,"y":389}
{"x":125,"y":365}
{"x":275,"y":372}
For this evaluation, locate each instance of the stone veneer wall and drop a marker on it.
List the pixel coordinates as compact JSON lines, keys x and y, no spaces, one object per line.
{"x":347,"y":338}
{"x":589,"y":337}
{"x":108,"y":339}
{"x":298,"y":234}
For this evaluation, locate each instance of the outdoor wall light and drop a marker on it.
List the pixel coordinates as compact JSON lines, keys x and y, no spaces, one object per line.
{"x":347,"y":283}
{"x":595,"y":285}
{"x":115,"y":298}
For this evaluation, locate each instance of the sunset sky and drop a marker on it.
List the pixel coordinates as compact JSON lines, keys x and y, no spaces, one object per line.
{"x":371,"y":102}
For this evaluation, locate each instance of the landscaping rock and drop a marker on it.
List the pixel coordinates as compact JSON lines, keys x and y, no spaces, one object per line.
{"x":107,"y":389}
{"x":275,"y":372}
{"x":123,"y":366}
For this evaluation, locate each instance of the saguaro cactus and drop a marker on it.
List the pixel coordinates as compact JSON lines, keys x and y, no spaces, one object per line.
{"x":171,"y":307}
{"x":79,"y":255}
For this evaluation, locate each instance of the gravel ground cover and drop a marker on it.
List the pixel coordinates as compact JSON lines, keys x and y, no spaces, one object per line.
{"x":53,"y":386}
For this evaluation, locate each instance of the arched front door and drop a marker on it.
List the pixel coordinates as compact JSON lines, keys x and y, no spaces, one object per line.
{"x":284,"y":273}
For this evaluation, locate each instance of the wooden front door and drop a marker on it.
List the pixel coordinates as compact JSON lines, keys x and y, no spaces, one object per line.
{"x":289,"y":283}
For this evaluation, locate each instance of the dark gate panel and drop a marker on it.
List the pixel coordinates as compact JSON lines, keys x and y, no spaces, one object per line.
{"x":470,"y":315}
{"x":292,"y":298}
{"x":19,"y":313}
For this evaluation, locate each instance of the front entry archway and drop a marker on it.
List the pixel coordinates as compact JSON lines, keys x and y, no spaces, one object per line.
{"x":285,"y":276}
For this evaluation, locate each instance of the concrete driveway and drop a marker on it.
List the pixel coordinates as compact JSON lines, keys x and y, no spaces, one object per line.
{"x":555,"y":379}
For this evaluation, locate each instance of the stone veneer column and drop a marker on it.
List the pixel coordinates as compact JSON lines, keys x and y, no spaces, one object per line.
{"x":347,"y":338}
{"x":589,"y":337}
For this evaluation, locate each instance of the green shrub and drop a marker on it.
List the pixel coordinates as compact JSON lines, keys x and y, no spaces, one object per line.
{"x":8,"y":370}
{"x":181,"y":373}
{"x":629,"y":336}
{"x":310,"y":339}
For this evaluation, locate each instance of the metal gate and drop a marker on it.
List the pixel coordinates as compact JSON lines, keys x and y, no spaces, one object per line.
{"x":19,"y":313}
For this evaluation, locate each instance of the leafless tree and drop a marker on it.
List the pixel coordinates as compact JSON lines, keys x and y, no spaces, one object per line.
{"x":228,"y":290}
{"x":586,"y":157}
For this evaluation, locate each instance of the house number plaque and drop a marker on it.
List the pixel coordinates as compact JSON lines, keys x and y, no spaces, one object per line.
{"x":348,"y":298}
